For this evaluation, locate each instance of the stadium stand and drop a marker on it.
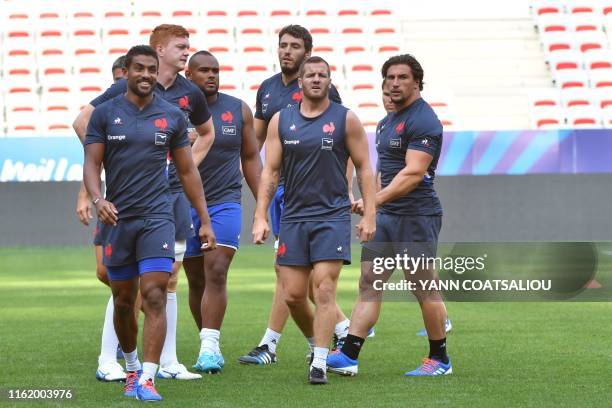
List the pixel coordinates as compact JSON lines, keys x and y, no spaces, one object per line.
{"x":486,"y":67}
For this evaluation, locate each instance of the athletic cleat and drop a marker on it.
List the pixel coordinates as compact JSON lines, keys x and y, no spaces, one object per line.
{"x":177,"y":371}
{"x":131,"y":381}
{"x":431,"y":368}
{"x":316,"y":376}
{"x":147,"y":392}
{"x":340,"y":363}
{"x":260,"y":355}
{"x":209,"y":363}
{"x":448,"y":326}
{"x":111,"y":371}
{"x":371,"y":332}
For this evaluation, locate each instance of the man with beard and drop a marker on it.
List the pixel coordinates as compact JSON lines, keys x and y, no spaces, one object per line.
{"x":312,"y":144}
{"x":235,"y":144}
{"x":409,"y":216}
{"x":275,"y":93}
{"x":171,"y":42}
{"x":132,"y":134}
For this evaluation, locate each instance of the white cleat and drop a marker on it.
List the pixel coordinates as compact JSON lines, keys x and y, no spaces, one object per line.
{"x":111,"y":371}
{"x":178,"y":372}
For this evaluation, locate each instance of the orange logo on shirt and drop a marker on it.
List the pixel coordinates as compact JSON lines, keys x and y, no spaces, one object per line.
{"x":297,"y":96}
{"x":184,"y":102}
{"x":227,"y":117}
{"x":399,"y":128}
{"x":161,"y":124}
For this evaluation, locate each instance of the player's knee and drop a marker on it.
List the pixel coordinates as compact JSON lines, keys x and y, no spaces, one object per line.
{"x":124,"y":306}
{"x":216,"y":277}
{"x":154,"y":298}
{"x":325,"y":292}
{"x":294,"y":298}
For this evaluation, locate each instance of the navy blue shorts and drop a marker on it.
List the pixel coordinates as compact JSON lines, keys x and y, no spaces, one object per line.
{"x":398,"y":234}
{"x":304,"y":243}
{"x":182,"y":216}
{"x":127,"y":272}
{"x":226,"y":219}
{"x":277,"y":207}
{"x":98,"y":238}
{"x":135,"y":239}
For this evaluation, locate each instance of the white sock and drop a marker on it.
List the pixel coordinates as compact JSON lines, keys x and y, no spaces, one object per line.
{"x":131,"y":361}
{"x":168,"y":355}
{"x":311,"y":343}
{"x":271,"y":338}
{"x":149,"y":371}
{"x":209,"y":341}
{"x":108,"y":348}
{"x":342,"y":328}
{"x":320,"y":358}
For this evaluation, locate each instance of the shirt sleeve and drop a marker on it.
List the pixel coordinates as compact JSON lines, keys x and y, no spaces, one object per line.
{"x":180,"y":137}
{"x":334,"y":95}
{"x":426,"y":138}
{"x":118,"y":88}
{"x":96,"y":129}
{"x":200,"y":113}
{"x":258,"y":112}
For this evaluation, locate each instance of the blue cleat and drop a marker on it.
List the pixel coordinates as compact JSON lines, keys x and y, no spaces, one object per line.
{"x":147,"y":392}
{"x":260,"y":355}
{"x":448,"y":326}
{"x":340,"y":363}
{"x":371,"y":332}
{"x":209,"y":363}
{"x":131,"y":382}
{"x":431,"y":368}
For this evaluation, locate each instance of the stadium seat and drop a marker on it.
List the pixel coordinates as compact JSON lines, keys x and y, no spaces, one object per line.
{"x":354,"y":55}
{"x":564,"y":59}
{"x":54,"y":76}
{"x":252,"y":37}
{"x":21,"y":76}
{"x":384,"y":52}
{"x":254,"y":75}
{"x":328,"y":53}
{"x":598,"y":59}
{"x":601,"y":78}
{"x":361,"y":76}
{"x":384,"y":36}
{"x":220,"y":38}
{"x":571,"y":78}
{"x":18,"y":58}
{"x":577,"y":97}
{"x":322,"y":37}
{"x":218,"y":17}
{"x":251,"y":17}
{"x":116,"y":41}
{"x":584,"y":118}
{"x":362,"y":96}
{"x":22,"y":121}
{"x":16,"y":97}
{"x":278,"y":17}
{"x":351,"y":37}
{"x":585,"y":22}
{"x":53,"y":57}
{"x":557,"y":41}
{"x":51,"y":16}
{"x":89,"y":91}
{"x":230,"y":75}
{"x":257,"y":56}
{"x":370,"y":115}
{"x":548,"y":118}
{"x":317,"y":18}
{"x":22,"y":38}
{"x":590,"y":40}
{"x":555,"y":22}
{"x":54,"y":38}
{"x":84,"y":39}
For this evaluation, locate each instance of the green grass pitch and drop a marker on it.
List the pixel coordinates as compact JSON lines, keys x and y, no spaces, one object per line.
{"x":503,"y":354}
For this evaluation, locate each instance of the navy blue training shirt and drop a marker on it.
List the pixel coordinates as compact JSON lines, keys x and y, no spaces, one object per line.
{"x":415,"y":127}
{"x":220,"y":169}
{"x":137,"y":143}
{"x":273,"y":95}
{"x":314,"y":164}
{"x":182,"y":94}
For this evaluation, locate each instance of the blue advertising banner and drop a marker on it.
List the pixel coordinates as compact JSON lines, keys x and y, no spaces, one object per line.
{"x":463,"y":153}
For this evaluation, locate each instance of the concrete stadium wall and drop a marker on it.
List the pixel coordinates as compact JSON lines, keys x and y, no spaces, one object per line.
{"x":477,"y":208}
